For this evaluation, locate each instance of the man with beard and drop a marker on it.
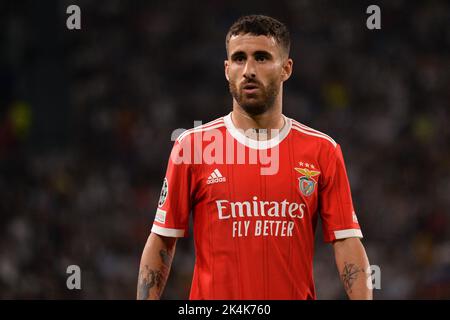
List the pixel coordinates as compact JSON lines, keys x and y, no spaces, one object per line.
{"x":254,"y":232}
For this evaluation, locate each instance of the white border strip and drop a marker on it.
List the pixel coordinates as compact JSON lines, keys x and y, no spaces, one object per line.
{"x":301,"y":125}
{"x":167,"y":232}
{"x":348,"y":233}
{"x":314,"y":134}
{"x":199,"y":129}
{"x":212,"y":122}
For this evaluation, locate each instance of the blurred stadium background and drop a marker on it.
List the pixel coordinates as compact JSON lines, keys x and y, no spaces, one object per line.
{"x":86,"y":118}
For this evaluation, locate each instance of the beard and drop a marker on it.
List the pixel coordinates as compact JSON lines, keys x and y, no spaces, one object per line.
{"x":255,"y":103}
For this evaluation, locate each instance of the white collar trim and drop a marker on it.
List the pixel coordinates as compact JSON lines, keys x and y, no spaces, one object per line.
{"x":239,"y":135}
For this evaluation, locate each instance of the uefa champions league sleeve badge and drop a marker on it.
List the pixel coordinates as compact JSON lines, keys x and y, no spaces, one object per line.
{"x":164,"y":192}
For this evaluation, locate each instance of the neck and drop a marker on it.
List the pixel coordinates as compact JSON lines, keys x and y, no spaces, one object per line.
{"x":270,"y":120}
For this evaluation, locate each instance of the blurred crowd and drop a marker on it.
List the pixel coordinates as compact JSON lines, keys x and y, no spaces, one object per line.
{"x":86,"y":119}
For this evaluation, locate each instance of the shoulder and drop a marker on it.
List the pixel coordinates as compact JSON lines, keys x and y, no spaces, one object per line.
{"x":187,"y":135}
{"x":312,"y":135}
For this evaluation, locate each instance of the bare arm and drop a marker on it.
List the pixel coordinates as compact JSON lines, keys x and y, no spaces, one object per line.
{"x":155,"y":266}
{"x":353,"y":266}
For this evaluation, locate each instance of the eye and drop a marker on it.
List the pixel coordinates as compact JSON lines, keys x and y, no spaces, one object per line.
{"x":239,"y":59}
{"x":260,"y":58}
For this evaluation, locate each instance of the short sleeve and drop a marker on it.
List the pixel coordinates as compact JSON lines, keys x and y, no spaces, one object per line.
{"x":339,"y":219}
{"x":174,"y":205}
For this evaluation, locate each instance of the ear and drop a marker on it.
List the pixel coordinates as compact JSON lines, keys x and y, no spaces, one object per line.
{"x":287,"y":69}
{"x":225,"y":63}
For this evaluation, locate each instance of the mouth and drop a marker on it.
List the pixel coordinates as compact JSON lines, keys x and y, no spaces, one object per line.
{"x":250,"y":88}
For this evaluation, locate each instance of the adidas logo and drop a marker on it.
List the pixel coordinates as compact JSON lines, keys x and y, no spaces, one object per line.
{"x":215,"y":177}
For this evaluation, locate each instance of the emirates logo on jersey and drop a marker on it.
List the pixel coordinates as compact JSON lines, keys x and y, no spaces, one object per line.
{"x":258,"y":218}
{"x":306,"y":183}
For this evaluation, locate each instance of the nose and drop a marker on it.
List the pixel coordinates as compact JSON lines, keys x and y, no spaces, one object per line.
{"x":249,"y":70}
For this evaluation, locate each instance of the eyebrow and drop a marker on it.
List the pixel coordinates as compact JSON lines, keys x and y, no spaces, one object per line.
{"x":258,"y":52}
{"x":237,"y":54}
{"x":263,"y":53}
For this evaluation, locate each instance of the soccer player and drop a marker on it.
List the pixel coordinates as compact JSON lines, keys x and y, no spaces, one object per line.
{"x":256,"y":183}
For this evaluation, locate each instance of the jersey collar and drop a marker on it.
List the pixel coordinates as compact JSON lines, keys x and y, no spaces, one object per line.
{"x":239,"y":135}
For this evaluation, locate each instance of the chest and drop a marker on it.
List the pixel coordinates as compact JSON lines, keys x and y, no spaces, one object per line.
{"x":293,"y":181}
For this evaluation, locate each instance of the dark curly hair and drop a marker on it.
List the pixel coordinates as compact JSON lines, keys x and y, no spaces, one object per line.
{"x":261,"y":25}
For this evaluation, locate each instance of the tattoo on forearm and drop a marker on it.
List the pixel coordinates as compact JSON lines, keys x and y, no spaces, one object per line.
{"x":165,"y":257}
{"x":349,"y":275}
{"x":149,"y":278}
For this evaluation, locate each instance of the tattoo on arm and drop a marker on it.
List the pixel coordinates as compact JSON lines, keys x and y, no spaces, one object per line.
{"x":147,"y":280}
{"x":150,"y":278}
{"x":349,"y":275}
{"x":166,"y":258}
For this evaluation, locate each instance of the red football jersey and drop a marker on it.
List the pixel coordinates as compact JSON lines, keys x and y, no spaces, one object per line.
{"x":255,"y":206}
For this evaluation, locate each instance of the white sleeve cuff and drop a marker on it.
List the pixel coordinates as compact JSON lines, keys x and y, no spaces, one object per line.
{"x":167,"y":232}
{"x":348,"y":233}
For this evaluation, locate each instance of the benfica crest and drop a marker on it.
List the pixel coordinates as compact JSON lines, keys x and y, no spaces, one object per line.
{"x":306,"y":183}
